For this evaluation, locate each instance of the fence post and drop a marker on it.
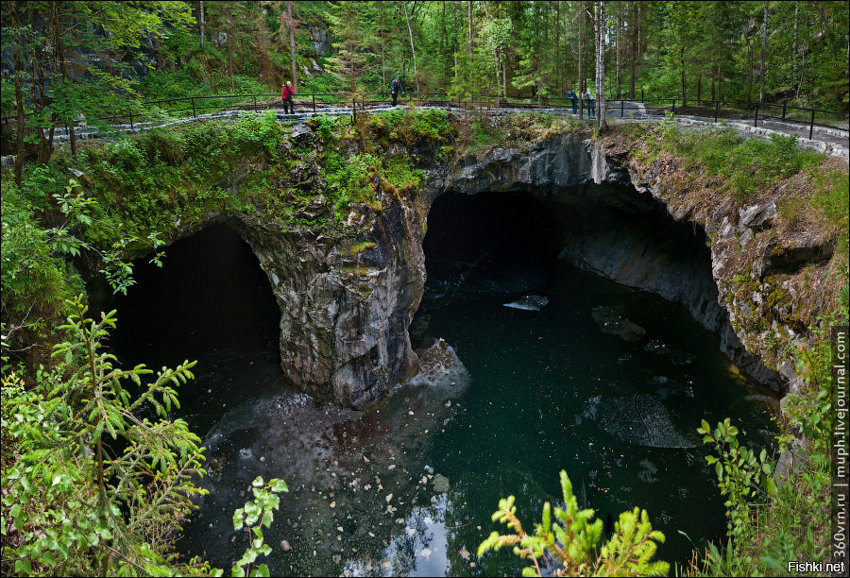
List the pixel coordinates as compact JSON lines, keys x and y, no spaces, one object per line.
{"x":674,"y":106}
{"x":194,"y":111}
{"x":254,"y":96}
{"x":621,"y":108}
{"x":756,"y":122}
{"x":783,"y":110}
{"x":812,"y":125}
{"x":314,"y":103}
{"x":131,"y":120}
{"x":641,"y":94}
{"x":716,"y":110}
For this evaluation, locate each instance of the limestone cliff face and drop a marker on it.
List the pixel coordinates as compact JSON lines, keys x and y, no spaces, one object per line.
{"x":619,"y":225}
{"x":345,"y":305}
{"x":347,"y":301}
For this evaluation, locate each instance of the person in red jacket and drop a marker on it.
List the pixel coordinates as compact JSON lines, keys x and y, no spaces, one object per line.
{"x":286,"y":95}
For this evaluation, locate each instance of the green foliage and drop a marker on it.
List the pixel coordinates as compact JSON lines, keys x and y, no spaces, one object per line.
{"x":325,"y":126}
{"x":832,"y":195}
{"x":252,"y":517}
{"x":764,"y":534}
{"x":432,"y":125}
{"x":569,"y":546}
{"x":99,"y":481}
{"x":399,"y":173}
{"x":111,"y":31}
{"x":352,"y":180}
{"x":745,"y":165}
{"x":147,"y":182}
{"x":739,"y":474}
{"x":353,"y":46}
{"x":33,"y":275}
{"x":420,"y":126}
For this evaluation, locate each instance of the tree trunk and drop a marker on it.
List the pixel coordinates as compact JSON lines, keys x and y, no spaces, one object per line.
{"x":539,"y":92}
{"x":633,"y":49}
{"x":291,"y":23}
{"x":763,"y":52}
{"x":600,"y":64}
{"x":230,"y":65}
{"x":719,"y":83}
{"x":383,"y":70}
{"x":682,"y":61}
{"x":19,"y":92}
{"x":794,"y":48}
{"x":60,"y":53}
{"x":557,"y":43}
{"x":580,"y":76}
{"x":412,"y":49}
{"x":202,"y":21}
{"x":469,"y":47}
{"x":699,"y":88}
{"x":617,"y":50}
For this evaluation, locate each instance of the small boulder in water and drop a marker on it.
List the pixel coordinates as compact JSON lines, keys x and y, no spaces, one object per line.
{"x":610,"y":321}
{"x":529,"y":303}
{"x":441,"y":483}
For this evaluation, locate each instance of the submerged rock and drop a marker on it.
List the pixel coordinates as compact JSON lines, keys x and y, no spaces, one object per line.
{"x":642,"y":420}
{"x":441,"y":483}
{"x":440,"y":367}
{"x":611,"y":322}
{"x":529,"y":303}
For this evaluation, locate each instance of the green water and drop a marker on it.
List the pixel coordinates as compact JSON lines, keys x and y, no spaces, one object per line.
{"x":551,"y":391}
{"x":408,"y":486}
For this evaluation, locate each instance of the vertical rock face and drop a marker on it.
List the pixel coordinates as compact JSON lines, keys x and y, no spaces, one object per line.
{"x":619,"y":226}
{"x":346,"y":306}
{"x":347,"y":301}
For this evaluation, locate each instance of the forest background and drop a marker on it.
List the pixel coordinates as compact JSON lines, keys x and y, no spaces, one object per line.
{"x":77,"y":58}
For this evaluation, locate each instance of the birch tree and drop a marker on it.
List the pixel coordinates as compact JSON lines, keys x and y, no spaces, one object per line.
{"x":599,"y":23}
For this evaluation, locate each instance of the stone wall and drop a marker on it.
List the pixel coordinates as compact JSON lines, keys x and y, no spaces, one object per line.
{"x":347,"y":301}
{"x":619,"y":226}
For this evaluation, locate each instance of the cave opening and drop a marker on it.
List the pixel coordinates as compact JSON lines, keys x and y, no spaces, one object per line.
{"x":210,"y":302}
{"x":495,"y":242}
{"x":608,"y":378}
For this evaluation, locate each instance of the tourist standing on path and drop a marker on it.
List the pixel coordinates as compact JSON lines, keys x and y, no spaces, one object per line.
{"x":591,"y":110}
{"x":395,"y":88}
{"x":573,"y":97}
{"x":286,"y":95}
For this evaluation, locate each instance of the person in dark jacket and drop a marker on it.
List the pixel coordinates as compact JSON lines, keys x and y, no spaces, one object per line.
{"x":286,"y":95}
{"x":395,"y":88}
{"x":573,"y":97}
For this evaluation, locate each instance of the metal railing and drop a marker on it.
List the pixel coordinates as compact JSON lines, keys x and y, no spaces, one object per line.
{"x":195,"y":106}
{"x":755,"y":112}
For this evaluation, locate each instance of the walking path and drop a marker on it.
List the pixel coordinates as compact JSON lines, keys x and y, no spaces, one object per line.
{"x":830,"y":141}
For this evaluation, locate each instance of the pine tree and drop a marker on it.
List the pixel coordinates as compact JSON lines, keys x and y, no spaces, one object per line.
{"x":353,"y":46}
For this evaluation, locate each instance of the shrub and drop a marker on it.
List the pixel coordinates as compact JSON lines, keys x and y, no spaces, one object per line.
{"x":96,"y":481}
{"x":572,"y":548}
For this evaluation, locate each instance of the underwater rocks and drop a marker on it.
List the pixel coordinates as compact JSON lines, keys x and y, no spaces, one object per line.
{"x":440,"y":368}
{"x":529,"y":303}
{"x":610,"y":321}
